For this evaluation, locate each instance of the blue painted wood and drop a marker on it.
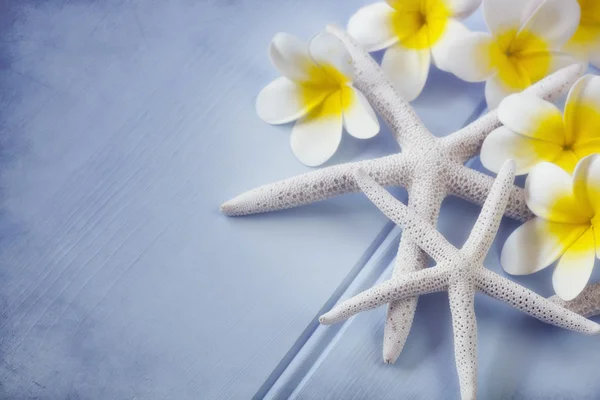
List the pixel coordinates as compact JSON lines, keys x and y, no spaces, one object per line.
{"x":519,"y":357}
{"x":124,"y":125}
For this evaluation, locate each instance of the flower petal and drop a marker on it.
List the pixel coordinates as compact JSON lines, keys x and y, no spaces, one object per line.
{"x":360,"y":120}
{"x":371,"y":26}
{"x":462,"y":8}
{"x":554,"y":21}
{"x":501,"y":16}
{"x":539,"y":64}
{"x":470,"y":57}
{"x":290,"y":56}
{"x":549,"y":194}
{"x":316,"y":137}
{"x":536,"y":244}
{"x":582,"y":111}
{"x":586,"y":183}
{"x":575,"y":267}
{"x":495,"y":91}
{"x":407,"y":69}
{"x":532,"y":116}
{"x":503,"y":144}
{"x":567,"y":160}
{"x":441,"y":51}
{"x":328,"y":51}
{"x":282,"y":101}
{"x":405,"y":5}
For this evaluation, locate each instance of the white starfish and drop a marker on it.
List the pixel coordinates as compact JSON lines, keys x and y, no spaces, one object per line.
{"x":460,"y":272}
{"x":586,"y":304}
{"x":430,"y":168}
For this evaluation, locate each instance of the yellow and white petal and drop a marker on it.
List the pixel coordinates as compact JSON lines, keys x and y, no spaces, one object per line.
{"x":554,"y":22}
{"x":290,"y":56}
{"x":496,"y":91}
{"x":566,"y":160}
{"x":503,"y":144}
{"x":328,"y":51}
{"x":283,"y":101}
{"x":549,"y":194}
{"x":532,"y":116}
{"x":371,"y":26}
{"x":575,"y":267}
{"x":538,"y":64}
{"x":407,"y":69}
{"x":582,"y":110}
{"x":471,"y":57}
{"x":586,"y":184}
{"x":360,"y":120}
{"x":462,"y":8}
{"x":504,"y":15}
{"x":316,"y":137}
{"x":405,"y":5}
{"x":536,"y":244}
{"x":441,"y":51}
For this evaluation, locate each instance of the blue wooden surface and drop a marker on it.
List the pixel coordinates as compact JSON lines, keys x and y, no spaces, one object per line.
{"x":123,"y":126}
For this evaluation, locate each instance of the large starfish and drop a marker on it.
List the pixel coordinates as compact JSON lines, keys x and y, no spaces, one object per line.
{"x":460,"y":272}
{"x":430,"y":168}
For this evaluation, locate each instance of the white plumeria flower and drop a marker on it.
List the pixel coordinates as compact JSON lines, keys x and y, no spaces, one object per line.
{"x":523,"y":46}
{"x":566,"y":226}
{"x":586,"y":40}
{"x":316,"y":89}
{"x":535,"y":130}
{"x":414,"y":31}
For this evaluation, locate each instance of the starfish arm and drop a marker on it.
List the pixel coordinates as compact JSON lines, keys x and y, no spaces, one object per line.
{"x":421,"y":282}
{"x":410,"y":258}
{"x":474,"y":186}
{"x":374,"y":84}
{"x":586,"y":304}
{"x":464,"y":325}
{"x":400,"y":313}
{"x":466,"y":142}
{"x":318,"y":185}
{"x":485,"y":229}
{"x":533,"y":304}
{"x":419,"y":229}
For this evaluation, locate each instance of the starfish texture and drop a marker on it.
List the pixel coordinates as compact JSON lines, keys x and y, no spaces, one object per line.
{"x":460,"y":272}
{"x":586,"y":304}
{"x":430,"y":168}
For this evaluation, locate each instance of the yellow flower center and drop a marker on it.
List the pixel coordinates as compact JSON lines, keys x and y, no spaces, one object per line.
{"x":324,"y":81}
{"x":521,"y":58}
{"x":588,"y":32}
{"x":420,"y":25}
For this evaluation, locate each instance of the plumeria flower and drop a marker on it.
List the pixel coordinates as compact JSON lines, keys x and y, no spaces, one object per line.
{"x":316,"y":90}
{"x":534,"y":130}
{"x":523,"y":46}
{"x":586,"y":40}
{"x":414,"y":32}
{"x":566,"y":226}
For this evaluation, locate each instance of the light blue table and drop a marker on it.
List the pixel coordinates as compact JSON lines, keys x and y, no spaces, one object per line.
{"x":123,"y":125}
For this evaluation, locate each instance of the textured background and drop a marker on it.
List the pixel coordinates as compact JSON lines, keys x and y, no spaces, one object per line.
{"x":123,"y":125}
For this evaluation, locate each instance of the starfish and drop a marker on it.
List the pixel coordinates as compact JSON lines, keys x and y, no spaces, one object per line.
{"x":586,"y":304}
{"x":459,"y":272}
{"x":430,"y":168}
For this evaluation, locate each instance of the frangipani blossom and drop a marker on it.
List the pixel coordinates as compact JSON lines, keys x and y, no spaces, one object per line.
{"x":523,"y":46}
{"x":534,"y":130}
{"x":566,"y":226}
{"x":316,"y":90}
{"x":414,"y":31}
{"x":586,"y":40}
